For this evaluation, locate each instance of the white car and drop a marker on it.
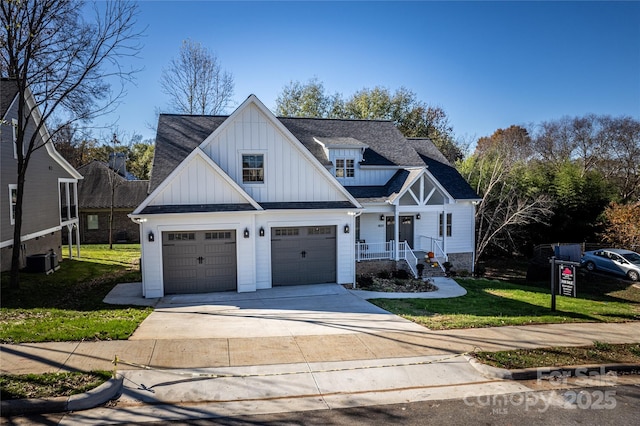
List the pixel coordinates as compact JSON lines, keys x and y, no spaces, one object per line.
{"x":616,"y":261}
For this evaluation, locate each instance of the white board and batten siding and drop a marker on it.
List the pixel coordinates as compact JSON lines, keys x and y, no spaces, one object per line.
{"x":289,"y":174}
{"x":198,"y":183}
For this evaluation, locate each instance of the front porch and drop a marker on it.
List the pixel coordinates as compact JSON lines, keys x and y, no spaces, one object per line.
{"x":428,"y":253}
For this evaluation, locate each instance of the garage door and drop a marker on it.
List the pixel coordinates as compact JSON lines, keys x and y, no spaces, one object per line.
{"x":303,"y":255}
{"x":199,"y":262}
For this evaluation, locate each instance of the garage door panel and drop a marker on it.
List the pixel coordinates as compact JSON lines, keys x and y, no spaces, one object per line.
{"x":303,"y":255}
{"x":197,"y":262}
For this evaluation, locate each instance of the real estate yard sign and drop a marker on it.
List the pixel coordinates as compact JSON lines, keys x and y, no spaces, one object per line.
{"x":567,"y":279}
{"x":563,"y":280}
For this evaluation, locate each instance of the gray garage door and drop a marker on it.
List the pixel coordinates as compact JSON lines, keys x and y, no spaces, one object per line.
{"x":303,"y":255}
{"x":199,"y":261}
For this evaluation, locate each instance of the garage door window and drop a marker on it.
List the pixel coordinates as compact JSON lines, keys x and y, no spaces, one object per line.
{"x":287,"y":232}
{"x":181,"y":236}
{"x":319,"y":231}
{"x":217,"y":235}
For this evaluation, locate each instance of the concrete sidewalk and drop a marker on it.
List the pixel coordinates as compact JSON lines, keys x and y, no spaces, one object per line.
{"x":328,"y":349}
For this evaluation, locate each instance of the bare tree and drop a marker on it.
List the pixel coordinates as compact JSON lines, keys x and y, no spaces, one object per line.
{"x":507,"y":203}
{"x":196,"y":83}
{"x":66,"y":63}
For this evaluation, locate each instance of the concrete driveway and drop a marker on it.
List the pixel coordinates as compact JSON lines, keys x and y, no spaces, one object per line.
{"x":280,"y":311}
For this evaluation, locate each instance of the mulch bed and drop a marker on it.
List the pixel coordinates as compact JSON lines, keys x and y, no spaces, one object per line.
{"x":396,"y":285}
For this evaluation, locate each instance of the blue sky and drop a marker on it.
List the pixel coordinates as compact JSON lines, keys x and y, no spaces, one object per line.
{"x":487,"y":64}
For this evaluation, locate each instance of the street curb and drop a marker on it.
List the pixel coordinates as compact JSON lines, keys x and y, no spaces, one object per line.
{"x":550,"y":372}
{"x":93,"y":398}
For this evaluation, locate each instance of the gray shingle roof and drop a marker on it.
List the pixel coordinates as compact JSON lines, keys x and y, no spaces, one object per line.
{"x":94,"y":191}
{"x":387,"y":146}
{"x":8,"y":91}
{"x":178,"y":135}
{"x":372,"y":194}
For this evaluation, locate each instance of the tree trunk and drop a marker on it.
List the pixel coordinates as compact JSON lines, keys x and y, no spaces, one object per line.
{"x":14,"y":281}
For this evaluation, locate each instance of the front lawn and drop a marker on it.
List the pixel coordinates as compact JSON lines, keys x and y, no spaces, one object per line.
{"x":491,"y":303}
{"x":67,"y":304}
{"x":598,"y":353}
{"x":48,"y":385}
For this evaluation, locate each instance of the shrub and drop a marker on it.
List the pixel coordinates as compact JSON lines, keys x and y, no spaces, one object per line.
{"x":384,"y":274}
{"x":364,"y":280}
{"x":401,"y":274}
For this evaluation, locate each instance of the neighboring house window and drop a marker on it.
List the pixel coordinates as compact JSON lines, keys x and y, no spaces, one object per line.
{"x":445,"y":226}
{"x":345,"y":168}
{"x":13,"y":199}
{"x":14,"y":127}
{"x":92,"y":221}
{"x":252,"y":168}
{"x":68,"y":199}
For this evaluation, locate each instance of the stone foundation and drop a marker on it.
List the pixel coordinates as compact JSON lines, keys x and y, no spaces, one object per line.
{"x":461,"y":262}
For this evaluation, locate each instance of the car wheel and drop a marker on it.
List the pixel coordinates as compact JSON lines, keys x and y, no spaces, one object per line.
{"x":633,"y":275}
{"x":590,"y":266}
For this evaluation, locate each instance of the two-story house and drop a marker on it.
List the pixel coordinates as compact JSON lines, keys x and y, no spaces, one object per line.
{"x":251,"y":201}
{"x":51,"y":195}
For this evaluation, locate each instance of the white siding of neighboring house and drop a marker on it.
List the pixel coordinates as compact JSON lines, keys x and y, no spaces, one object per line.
{"x":289,"y":174}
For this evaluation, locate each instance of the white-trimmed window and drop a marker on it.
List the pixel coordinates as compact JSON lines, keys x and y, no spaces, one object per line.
{"x":14,"y":128}
{"x":445,"y":227}
{"x":252,"y":168}
{"x":92,"y":222}
{"x":345,"y":167}
{"x":13,"y":200}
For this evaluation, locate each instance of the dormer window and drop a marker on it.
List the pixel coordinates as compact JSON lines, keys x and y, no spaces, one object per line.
{"x":345,"y":167}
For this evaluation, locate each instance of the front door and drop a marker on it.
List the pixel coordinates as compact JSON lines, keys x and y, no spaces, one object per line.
{"x":405,"y":229}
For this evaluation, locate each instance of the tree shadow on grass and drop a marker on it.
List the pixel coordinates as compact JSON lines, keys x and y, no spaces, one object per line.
{"x":482,"y":300}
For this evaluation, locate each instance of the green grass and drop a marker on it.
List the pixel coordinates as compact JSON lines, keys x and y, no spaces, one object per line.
{"x":67,"y":304}
{"x":492,"y":303}
{"x":598,"y":353}
{"x":50,"y":384}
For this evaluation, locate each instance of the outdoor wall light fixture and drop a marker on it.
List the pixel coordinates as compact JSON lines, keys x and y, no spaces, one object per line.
{"x":381,"y":217}
{"x":246,"y":232}
{"x":151,"y":237}
{"x":418,"y":216}
{"x":261,"y":231}
{"x":346,"y":229}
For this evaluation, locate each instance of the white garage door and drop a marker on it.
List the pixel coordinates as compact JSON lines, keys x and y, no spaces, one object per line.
{"x":303,"y":255}
{"x":199,"y":261}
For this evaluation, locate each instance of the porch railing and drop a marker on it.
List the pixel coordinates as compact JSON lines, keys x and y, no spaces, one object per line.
{"x":386,"y":251}
{"x":434,"y":245}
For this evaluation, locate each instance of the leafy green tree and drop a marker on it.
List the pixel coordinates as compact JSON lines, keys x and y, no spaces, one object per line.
{"x":141,"y":158}
{"x":308,"y":100}
{"x":412,"y":117}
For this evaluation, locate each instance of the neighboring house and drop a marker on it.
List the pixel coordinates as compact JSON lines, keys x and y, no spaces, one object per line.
{"x":94,"y":197}
{"x":50,"y":200}
{"x":251,"y":201}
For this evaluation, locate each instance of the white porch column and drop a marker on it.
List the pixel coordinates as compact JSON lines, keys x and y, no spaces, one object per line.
{"x":77,"y":228}
{"x":70,"y":240}
{"x":396,"y":232}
